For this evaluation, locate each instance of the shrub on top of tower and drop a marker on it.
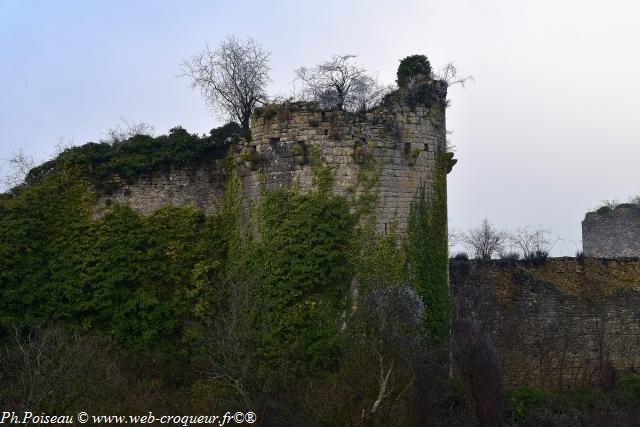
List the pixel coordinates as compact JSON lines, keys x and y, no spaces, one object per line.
{"x":413,"y":68}
{"x":419,"y":84}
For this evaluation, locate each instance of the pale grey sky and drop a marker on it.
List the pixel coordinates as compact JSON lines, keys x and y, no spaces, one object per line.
{"x":548,"y":129}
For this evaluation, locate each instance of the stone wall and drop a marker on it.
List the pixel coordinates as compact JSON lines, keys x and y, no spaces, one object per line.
{"x":613,"y":234}
{"x":201,"y":185}
{"x":396,"y":144}
{"x":565,"y":324}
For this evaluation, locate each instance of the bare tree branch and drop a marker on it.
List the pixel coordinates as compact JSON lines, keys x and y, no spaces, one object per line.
{"x":16,"y":169}
{"x":532,"y":240}
{"x":129,"y":129}
{"x":231,"y":78}
{"x":485,"y":240}
{"x":337,"y":83}
{"x":449,"y":74}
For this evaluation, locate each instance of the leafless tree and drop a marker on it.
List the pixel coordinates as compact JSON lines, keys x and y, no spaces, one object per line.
{"x":232,"y":78}
{"x":449,"y":74}
{"x":530,"y":241}
{"x":229,"y":341}
{"x":485,"y":240}
{"x":128,"y":129}
{"x":610,"y":204}
{"x":48,"y":367}
{"x":338,"y":83}
{"x":62,"y":145}
{"x":17,"y":169}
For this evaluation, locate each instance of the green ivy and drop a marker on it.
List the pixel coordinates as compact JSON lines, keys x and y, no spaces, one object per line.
{"x":427,"y":254}
{"x":302,"y":271}
{"x":144,"y":280}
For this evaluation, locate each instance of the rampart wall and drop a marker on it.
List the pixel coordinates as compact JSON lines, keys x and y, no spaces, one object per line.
{"x":565,"y":324}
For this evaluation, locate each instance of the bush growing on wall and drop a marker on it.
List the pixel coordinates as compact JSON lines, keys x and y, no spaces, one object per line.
{"x":141,"y":154}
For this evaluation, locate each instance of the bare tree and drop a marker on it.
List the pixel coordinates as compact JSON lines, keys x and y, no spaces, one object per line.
{"x":230,"y":340}
{"x":62,"y":145}
{"x":231,"y":78}
{"x":609,"y":205}
{"x":17,"y":169}
{"x":532,"y":240}
{"x":485,"y":240}
{"x":338,"y":83}
{"x":449,"y":74}
{"x":129,"y":129}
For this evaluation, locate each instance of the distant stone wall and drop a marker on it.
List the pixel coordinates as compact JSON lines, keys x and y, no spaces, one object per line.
{"x":201,"y":186}
{"x":614,"y":234}
{"x":565,"y":324}
{"x":396,"y":143}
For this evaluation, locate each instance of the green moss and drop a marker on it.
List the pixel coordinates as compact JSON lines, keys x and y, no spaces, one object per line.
{"x":249,"y":156}
{"x":323,"y":175}
{"x":298,"y":150}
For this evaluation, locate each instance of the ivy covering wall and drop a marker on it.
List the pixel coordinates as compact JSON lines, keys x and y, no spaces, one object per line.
{"x":292,"y":288}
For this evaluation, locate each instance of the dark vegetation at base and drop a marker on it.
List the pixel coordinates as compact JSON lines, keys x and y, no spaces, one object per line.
{"x":617,"y":405}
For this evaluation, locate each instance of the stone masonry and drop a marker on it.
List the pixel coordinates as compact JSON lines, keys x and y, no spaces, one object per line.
{"x":397,"y":143}
{"x":201,"y":186}
{"x":613,"y":234}
{"x":568,"y":323}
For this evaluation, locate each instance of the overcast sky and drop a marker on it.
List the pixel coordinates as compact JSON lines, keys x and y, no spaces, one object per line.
{"x":549,"y":128}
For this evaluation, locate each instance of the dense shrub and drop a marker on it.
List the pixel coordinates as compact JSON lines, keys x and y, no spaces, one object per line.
{"x":509,"y":259}
{"x":412,"y":69}
{"x":129,"y":276}
{"x":141,"y":154}
{"x":524,"y":400}
{"x":536,"y":258}
{"x":613,"y":406}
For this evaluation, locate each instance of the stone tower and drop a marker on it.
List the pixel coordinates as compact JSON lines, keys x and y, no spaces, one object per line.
{"x":402,"y":142}
{"x":614,"y":233}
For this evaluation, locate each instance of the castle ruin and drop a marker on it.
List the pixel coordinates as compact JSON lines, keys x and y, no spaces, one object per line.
{"x":402,"y":142}
{"x":612,"y":233}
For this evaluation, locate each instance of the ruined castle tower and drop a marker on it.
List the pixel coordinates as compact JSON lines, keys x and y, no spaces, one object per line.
{"x":392,"y":150}
{"x":399,"y":144}
{"x":612,"y":233}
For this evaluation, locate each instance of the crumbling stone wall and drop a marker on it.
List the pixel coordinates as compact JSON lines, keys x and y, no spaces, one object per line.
{"x":612,"y":234}
{"x":565,"y":324}
{"x":201,"y":185}
{"x":395,"y":143}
